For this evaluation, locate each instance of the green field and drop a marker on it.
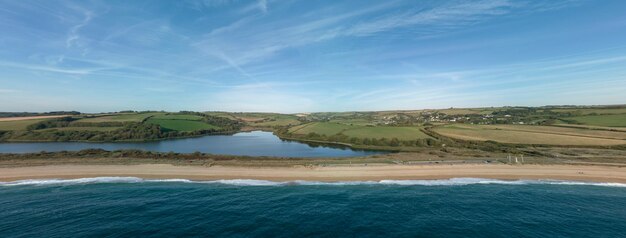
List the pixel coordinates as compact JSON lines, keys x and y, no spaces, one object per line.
{"x":221,"y":114}
{"x":322,"y":128}
{"x":539,"y":135}
{"x":558,"y":130}
{"x":378,"y":132}
{"x":606,"y":128}
{"x":278,"y":120}
{"x":615,"y":120}
{"x":402,"y":133}
{"x":281,"y":122}
{"x":177,"y":117}
{"x":181,"y":125}
{"x":355,"y":122}
{"x":587,"y":111}
{"x":259,"y":119}
{"x":17,"y":125}
{"x":134,"y":117}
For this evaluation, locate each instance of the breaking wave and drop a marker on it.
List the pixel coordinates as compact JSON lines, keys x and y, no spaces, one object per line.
{"x":254,"y":182}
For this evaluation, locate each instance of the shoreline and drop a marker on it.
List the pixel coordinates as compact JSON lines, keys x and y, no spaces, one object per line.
{"x":119,"y":141}
{"x":588,"y":173}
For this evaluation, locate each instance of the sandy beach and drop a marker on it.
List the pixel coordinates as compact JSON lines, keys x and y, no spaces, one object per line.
{"x":339,"y":173}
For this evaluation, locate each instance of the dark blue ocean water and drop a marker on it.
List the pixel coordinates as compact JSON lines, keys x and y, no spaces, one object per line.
{"x":123,"y":207}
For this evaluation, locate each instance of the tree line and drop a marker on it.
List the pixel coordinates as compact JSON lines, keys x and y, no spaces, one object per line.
{"x":128,"y":131}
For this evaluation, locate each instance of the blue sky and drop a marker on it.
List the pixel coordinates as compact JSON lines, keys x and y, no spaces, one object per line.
{"x":306,"y":56}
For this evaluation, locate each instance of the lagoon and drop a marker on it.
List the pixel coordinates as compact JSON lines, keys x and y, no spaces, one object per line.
{"x":255,"y":143}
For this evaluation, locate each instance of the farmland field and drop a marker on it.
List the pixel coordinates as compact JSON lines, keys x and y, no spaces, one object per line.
{"x":181,"y":125}
{"x":278,"y":122}
{"x":543,"y":135}
{"x":402,"y":133}
{"x":329,"y":129}
{"x":17,"y":125}
{"x":249,"y":117}
{"x":587,"y":111}
{"x":257,"y":119}
{"x":356,"y":122}
{"x":221,"y":114}
{"x":616,"y":120}
{"x":322,"y":128}
{"x":593,"y":127}
{"x":556,"y":130}
{"x":2,"y":119}
{"x":135,"y":117}
{"x":177,"y":117}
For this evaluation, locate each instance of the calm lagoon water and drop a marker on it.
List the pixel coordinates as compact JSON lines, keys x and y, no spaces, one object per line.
{"x":256,"y":143}
{"x":131,"y":207}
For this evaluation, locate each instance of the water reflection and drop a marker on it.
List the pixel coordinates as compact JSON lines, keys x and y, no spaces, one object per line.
{"x":255,"y":143}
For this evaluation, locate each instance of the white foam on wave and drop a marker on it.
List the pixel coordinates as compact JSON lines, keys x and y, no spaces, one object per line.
{"x":254,"y":182}
{"x":73,"y":181}
{"x":244,"y":182}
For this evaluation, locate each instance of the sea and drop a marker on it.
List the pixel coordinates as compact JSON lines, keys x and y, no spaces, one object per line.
{"x":458,"y":207}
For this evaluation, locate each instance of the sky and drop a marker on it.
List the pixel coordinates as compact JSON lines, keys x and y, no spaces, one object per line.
{"x":307,"y":56}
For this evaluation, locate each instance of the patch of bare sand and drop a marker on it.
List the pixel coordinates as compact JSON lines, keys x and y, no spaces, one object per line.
{"x":339,"y":173}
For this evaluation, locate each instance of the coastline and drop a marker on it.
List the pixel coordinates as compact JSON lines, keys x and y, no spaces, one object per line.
{"x":590,"y":173}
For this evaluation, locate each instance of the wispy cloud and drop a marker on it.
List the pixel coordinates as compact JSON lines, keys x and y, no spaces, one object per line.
{"x":263,"y":5}
{"x":258,"y":6}
{"x":46,"y":68}
{"x":199,"y":4}
{"x":262,"y":41}
{"x":289,"y":56}
{"x":230,"y":27}
{"x":528,"y":83}
{"x":73,"y":35}
{"x":233,"y":64}
{"x":445,"y":17}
